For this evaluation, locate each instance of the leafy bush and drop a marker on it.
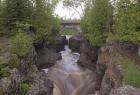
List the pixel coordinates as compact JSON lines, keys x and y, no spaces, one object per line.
{"x":15,"y":61}
{"x":21,"y":44}
{"x":4,"y":70}
{"x":24,"y":87}
{"x":127,"y":22}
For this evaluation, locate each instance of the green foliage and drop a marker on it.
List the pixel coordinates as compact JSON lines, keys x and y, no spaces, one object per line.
{"x":4,"y":69}
{"x":44,"y":22}
{"x":15,"y":61}
{"x":17,"y":15}
{"x":56,"y":24}
{"x":0,"y":14}
{"x":16,"y":11}
{"x":97,"y":22}
{"x":41,"y":22}
{"x":127,"y":22}
{"x":69,"y":32}
{"x":24,"y":88}
{"x":21,"y":44}
{"x":4,"y":72}
{"x":131,"y":74}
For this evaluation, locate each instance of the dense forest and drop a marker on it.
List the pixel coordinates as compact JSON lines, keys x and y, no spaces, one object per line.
{"x":29,"y":17}
{"x":107,"y":21}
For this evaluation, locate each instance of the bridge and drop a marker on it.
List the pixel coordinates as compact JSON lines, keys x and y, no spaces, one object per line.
{"x":70,"y":24}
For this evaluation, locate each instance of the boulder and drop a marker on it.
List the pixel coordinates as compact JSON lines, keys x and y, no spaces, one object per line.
{"x":40,"y":84}
{"x":10,"y":83}
{"x":85,"y":62}
{"x":88,"y":57}
{"x":75,"y":43}
{"x":112,"y":79}
{"x":47,"y":58}
{"x":125,"y":90}
{"x":58,"y":44}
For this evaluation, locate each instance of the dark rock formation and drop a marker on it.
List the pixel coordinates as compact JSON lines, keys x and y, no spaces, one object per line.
{"x":57,"y":44}
{"x":104,"y":62}
{"x":75,"y":43}
{"x":49,"y":53}
{"x":46,"y":58}
{"x":109,"y":68}
{"x":88,"y":57}
{"x":112,"y":79}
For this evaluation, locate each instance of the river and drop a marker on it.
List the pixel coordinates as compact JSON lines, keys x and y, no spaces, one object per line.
{"x":68,"y":77}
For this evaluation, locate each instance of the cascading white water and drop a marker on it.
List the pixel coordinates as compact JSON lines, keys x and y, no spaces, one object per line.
{"x":68,"y":77}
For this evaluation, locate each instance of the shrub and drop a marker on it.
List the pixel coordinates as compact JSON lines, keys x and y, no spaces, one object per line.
{"x":4,"y":70}
{"x":21,"y":44}
{"x":24,"y":88}
{"x":15,"y":61}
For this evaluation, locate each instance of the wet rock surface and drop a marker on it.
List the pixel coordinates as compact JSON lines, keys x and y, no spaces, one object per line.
{"x":46,"y":58}
{"x":58,"y":44}
{"x":88,"y":57}
{"x":75,"y":43}
{"x":49,"y":54}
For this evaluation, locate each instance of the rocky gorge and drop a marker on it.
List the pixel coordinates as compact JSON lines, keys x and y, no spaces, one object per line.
{"x":99,"y":70}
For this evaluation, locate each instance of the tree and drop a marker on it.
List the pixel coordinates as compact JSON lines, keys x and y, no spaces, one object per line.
{"x":43,"y":20}
{"x":127,"y":21}
{"x":97,"y":21}
{"x":0,"y":14}
{"x":16,"y":11}
{"x":76,"y":5}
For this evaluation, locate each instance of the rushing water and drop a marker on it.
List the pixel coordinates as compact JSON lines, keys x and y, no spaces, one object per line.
{"x":68,"y":77}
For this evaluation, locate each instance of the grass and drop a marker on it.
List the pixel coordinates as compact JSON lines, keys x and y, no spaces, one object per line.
{"x":69,"y":32}
{"x":131,"y":75}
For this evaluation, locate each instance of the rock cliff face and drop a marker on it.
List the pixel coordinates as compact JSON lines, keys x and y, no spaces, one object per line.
{"x":57,"y":44}
{"x":75,"y":42}
{"x":88,"y":56}
{"x":25,"y":79}
{"x":105,"y":63}
{"x":48,"y":54}
{"x":46,"y":58}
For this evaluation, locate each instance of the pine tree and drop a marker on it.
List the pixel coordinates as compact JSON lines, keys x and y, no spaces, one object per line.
{"x":16,"y":11}
{"x":0,"y":14}
{"x":98,"y":21}
{"x":43,"y":20}
{"x":127,"y":21}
